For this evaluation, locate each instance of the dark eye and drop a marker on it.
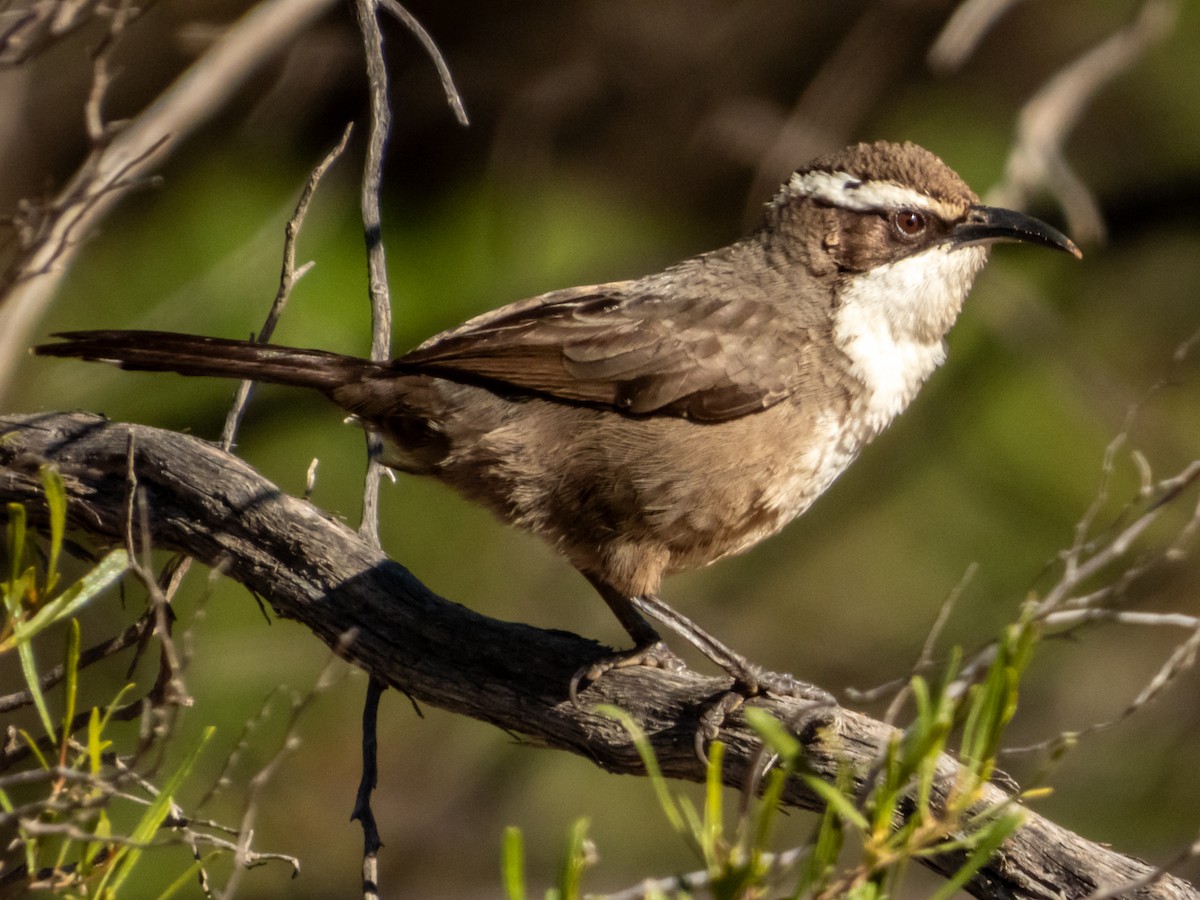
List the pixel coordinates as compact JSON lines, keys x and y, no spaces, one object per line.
{"x":908,"y":222}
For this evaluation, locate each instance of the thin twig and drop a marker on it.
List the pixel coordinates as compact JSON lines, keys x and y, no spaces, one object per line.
{"x":1036,"y":160}
{"x":1135,"y":886}
{"x":234,"y":757}
{"x":963,"y":31}
{"x":288,"y":277}
{"x":33,"y":28}
{"x":1182,"y":658}
{"x":244,"y":856}
{"x":898,"y":688}
{"x":127,"y":638}
{"x":453,"y":97}
{"x":147,"y":140}
{"x":925,"y":659}
{"x":372,"y":184}
{"x":772,"y":863}
{"x":381,"y":338}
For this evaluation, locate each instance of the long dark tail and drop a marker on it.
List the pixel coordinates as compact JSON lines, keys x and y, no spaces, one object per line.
{"x":187,"y":354}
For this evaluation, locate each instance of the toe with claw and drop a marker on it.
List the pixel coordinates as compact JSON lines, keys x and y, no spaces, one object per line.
{"x":656,"y":655}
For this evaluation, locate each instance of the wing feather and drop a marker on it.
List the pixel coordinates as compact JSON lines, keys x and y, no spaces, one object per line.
{"x":629,"y":347}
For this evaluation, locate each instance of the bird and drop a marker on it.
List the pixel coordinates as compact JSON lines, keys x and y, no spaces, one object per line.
{"x":659,"y":424}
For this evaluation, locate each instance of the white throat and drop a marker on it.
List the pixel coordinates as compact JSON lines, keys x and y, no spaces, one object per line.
{"x":891,"y":320}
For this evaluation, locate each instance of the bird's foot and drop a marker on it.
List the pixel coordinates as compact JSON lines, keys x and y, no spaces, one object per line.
{"x":751,"y":680}
{"x":655,"y":655}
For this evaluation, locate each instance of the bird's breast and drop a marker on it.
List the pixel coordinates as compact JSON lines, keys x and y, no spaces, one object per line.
{"x":890,"y":322}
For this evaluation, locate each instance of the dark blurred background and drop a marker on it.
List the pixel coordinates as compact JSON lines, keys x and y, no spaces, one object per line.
{"x":609,"y":138}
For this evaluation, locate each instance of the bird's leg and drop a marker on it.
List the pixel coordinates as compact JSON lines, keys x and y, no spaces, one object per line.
{"x":750,"y":679}
{"x":648,"y":648}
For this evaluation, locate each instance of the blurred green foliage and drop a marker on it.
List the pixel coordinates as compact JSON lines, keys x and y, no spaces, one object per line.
{"x":616,"y":175}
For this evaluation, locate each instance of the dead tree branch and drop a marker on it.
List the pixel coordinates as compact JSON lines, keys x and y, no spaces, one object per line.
{"x":373,"y":612}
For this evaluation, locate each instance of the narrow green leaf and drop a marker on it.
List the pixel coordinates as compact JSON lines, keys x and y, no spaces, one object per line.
{"x":187,"y":876}
{"x":127,"y":856}
{"x":34,"y":682}
{"x":33,"y":748}
{"x":575,"y":860}
{"x":769,"y":807}
{"x":714,"y":812}
{"x":102,"y":833}
{"x":56,"y":502}
{"x":513,"y":863}
{"x":70,"y":684}
{"x":774,"y":734}
{"x":886,"y":793}
{"x":115,"y":705}
{"x":64,"y":848}
{"x":693,"y":826}
{"x":16,"y":549}
{"x":838,"y":802}
{"x":823,"y":856}
{"x":99,"y":578}
{"x":95,"y":744}
{"x":988,"y":842}
{"x":650,"y":764}
{"x":29,"y":841}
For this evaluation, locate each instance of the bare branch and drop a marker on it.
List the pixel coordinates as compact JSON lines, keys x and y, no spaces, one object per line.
{"x":410,"y":22}
{"x":288,"y":277}
{"x":245,"y":857}
{"x":1036,"y":161}
{"x":131,"y":636}
{"x":377,"y":615}
{"x":963,"y":31}
{"x":1180,"y":660}
{"x":1131,"y":888}
{"x":27,"y":31}
{"x":372,"y":184}
{"x":132,"y":154}
{"x":381,"y":341}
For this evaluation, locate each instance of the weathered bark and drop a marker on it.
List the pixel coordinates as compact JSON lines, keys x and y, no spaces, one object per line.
{"x":313,"y":569}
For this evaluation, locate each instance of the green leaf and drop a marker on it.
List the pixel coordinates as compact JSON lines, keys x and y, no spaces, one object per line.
{"x":650,"y":764}
{"x":103,"y":833}
{"x":31,"y":865}
{"x":56,"y":502}
{"x":770,"y":805}
{"x":714,"y":814}
{"x":33,"y":680}
{"x":187,"y":876}
{"x":575,"y":861}
{"x":16,"y":549}
{"x":95,"y":742}
{"x":71,"y":683}
{"x":774,"y":734}
{"x":128,"y":855}
{"x":988,"y":841}
{"x":823,"y":856}
{"x":838,"y":802}
{"x":33,"y":748}
{"x":513,"y":864}
{"x":98,"y":579}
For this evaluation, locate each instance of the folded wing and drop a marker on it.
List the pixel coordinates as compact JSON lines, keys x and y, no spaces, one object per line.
{"x":700,"y":356}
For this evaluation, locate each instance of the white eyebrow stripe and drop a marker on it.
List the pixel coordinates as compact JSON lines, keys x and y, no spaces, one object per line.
{"x":848,"y":192}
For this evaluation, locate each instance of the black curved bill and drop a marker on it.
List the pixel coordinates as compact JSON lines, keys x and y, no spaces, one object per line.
{"x":992,"y":223}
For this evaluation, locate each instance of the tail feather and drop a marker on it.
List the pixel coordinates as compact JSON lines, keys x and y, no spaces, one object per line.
{"x":161,"y":351}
